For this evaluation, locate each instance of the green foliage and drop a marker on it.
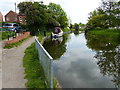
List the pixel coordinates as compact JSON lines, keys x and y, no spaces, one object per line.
{"x":98,"y":21}
{"x":81,"y":24}
{"x":40,"y":16}
{"x":113,"y":35}
{"x":4,"y":35}
{"x":35,"y":15}
{"x":106,"y":15}
{"x":81,"y":29}
{"x":56,"y":48}
{"x":66,"y":29}
{"x":59,"y":14}
{"x":78,"y":26}
{"x":33,"y":69}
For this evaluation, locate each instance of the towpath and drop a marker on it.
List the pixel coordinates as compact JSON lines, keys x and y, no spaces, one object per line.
{"x":12,"y":65}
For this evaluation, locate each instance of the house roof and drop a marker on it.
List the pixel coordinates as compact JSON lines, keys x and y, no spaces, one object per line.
{"x":11,"y":11}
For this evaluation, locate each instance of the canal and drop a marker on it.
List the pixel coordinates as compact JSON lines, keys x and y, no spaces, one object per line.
{"x":85,"y":62}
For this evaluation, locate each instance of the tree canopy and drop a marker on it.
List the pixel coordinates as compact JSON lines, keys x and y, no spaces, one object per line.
{"x":107,"y":15}
{"x":59,"y":14}
{"x":39,"y":15}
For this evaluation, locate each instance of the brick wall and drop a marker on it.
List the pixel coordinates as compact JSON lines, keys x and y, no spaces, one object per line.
{"x":18,"y":38}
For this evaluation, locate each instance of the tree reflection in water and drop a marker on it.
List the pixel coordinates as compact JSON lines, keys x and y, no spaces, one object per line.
{"x":108,"y":55}
{"x":56,"y":48}
{"x":76,"y":32}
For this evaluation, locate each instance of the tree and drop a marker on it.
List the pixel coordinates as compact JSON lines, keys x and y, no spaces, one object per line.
{"x":71,"y":26}
{"x":116,"y":12}
{"x":59,"y":14}
{"x":41,"y":16}
{"x":111,"y":9}
{"x":36,"y":15}
{"x":98,"y":21}
{"x":106,"y":15}
{"x":81,"y":24}
{"x":92,"y":14}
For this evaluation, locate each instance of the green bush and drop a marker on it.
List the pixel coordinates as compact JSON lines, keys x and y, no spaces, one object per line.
{"x":4,"y":35}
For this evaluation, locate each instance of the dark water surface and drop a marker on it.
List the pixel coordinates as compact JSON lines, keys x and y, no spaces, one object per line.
{"x":80,"y":62}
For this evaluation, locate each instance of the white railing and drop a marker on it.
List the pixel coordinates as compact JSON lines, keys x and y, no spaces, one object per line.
{"x":46,"y":61}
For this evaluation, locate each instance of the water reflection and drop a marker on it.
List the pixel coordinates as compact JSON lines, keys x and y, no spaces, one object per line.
{"x":76,"y":32}
{"x":57,"y":41}
{"x":56,"y":47}
{"x":108,"y":55}
{"x":76,"y":67}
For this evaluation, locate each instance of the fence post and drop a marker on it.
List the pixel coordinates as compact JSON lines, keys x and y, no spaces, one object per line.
{"x":51,"y":75}
{"x":8,"y":36}
{"x":44,"y":33}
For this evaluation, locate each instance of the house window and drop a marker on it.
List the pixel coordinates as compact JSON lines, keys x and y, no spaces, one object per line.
{"x":7,"y":19}
{"x":20,"y":18}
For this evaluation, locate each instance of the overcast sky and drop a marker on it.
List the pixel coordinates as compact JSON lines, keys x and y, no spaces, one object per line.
{"x":77,"y":10}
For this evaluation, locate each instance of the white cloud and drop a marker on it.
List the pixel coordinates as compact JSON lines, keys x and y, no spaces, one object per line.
{"x":77,"y":10}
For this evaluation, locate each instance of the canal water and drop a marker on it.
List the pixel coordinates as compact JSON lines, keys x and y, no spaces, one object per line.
{"x":84,"y":62}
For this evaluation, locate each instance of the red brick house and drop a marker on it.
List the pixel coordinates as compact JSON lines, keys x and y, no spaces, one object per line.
{"x":12,"y":16}
{"x":1,"y":17}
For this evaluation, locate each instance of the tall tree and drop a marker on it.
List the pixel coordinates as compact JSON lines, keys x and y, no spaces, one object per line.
{"x":39,"y":15}
{"x":97,"y":19}
{"x":35,"y":14}
{"x":59,"y":14}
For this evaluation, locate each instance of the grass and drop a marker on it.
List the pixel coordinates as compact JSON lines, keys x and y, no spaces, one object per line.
{"x":33,"y":69}
{"x":16,"y":44}
{"x":105,"y":33}
{"x":102,"y":36}
{"x":66,"y":29}
{"x":81,"y":30}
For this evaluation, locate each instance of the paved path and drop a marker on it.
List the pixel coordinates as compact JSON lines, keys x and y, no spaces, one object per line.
{"x":12,"y":66}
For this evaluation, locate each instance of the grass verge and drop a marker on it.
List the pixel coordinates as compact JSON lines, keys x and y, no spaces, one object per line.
{"x":16,"y":44}
{"x":104,"y":36}
{"x":105,"y":33}
{"x":33,"y":69}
